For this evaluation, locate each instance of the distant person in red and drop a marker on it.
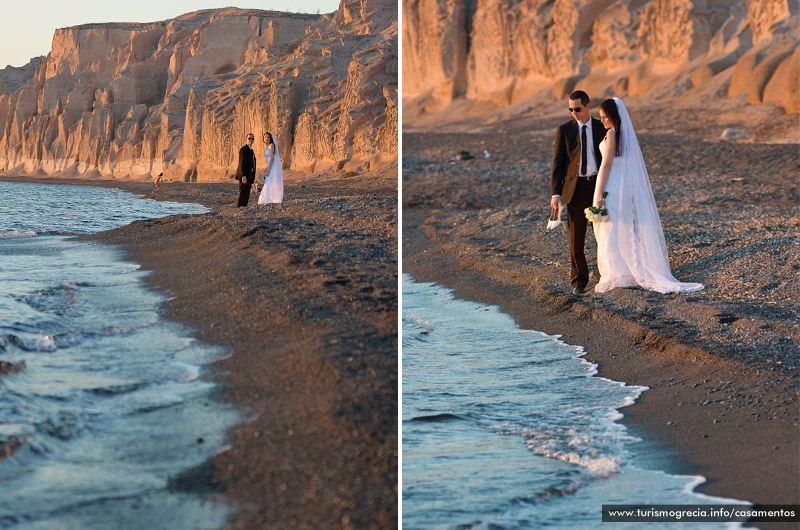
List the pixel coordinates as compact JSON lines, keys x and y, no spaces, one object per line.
{"x":157,"y":183}
{"x":246,"y":172}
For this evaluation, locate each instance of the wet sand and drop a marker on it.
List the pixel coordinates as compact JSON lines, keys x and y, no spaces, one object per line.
{"x":304,"y":297}
{"x":721,"y":364}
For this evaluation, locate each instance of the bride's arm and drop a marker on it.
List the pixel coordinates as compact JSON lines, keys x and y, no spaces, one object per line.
{"x":605,"y":168}
{"x":270,"y":159}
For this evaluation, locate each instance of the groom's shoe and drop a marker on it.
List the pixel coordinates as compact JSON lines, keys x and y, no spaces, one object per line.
{"x":577,"y":291}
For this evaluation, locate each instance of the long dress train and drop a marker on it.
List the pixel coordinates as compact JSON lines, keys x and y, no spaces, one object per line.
{"x":630,"y":245}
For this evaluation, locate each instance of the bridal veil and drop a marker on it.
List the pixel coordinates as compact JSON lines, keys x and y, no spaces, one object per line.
{"x":641,"y":237}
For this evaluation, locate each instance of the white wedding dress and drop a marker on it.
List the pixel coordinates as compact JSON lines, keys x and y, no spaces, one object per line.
{"x":272,"y":192}
{"x":631,"y":249}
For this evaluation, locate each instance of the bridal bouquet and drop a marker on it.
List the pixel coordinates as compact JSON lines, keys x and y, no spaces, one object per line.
{"x":595,"y":214}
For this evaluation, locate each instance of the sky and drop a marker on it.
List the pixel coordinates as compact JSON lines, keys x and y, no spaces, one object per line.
{"x":26,"y":29}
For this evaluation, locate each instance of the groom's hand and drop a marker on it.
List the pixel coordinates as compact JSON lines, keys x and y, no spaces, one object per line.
{"x":555,"y":201}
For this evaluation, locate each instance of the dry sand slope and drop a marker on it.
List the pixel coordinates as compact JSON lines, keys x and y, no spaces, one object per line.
{"x":304,"y":296}
{"x":722,"y":363}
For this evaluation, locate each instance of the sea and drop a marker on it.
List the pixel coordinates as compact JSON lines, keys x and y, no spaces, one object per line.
{"x":506,"y":428}
{"x":112,"y":403}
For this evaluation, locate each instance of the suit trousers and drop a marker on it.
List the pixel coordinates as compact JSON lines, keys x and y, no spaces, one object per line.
{"x":244,"y":192}
{"x":576,"y":231}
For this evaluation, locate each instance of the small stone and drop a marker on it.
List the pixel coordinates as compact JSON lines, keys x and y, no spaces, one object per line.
{"x":730,"y":133}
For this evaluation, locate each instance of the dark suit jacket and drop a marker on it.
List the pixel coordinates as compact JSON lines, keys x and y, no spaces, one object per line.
{"x":247,"y":164}
{"x":567,"y":157}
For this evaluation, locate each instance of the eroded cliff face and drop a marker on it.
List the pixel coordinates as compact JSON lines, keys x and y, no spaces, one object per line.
{"x":179,"y":96}
{"x":510,"y":50}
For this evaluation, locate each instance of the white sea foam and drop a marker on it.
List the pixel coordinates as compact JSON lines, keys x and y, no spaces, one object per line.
{"x":116,"y":330}
{"x":426,"y":325}
{"x":595,"y":461}
{"x":192,"y":371}
{"x":43,"y":343}
{"x":628,"y":401}
{"x":697,"y":480}
{"x":17,"y":233}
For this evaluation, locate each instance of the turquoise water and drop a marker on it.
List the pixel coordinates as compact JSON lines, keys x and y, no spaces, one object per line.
{"x":112,"y":401}
{"x":505,"y":428}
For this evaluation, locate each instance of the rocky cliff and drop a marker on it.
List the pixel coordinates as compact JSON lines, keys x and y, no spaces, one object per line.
{"x":12,"y":77}
{"x":178,"y":96}
{"x":512,"y":50}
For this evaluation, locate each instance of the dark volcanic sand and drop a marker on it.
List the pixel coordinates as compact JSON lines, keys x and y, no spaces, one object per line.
{"x":722,"y":364}
{"x":304,"y":296}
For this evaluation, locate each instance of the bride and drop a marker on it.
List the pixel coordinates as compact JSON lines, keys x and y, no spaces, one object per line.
{"x":272,"y":192}
{"x":630,"y":243}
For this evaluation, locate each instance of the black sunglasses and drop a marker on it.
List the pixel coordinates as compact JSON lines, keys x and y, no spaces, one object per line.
{"x":576,"y":109}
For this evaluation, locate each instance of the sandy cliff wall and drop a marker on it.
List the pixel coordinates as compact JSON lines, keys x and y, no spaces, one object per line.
{"x":179,"y":96}
{"x":509,"y":50}
{"x":12,"y":77}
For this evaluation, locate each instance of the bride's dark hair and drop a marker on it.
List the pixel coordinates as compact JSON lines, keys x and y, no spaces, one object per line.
{"x":609,"y":107}
{"x":271,"y":140}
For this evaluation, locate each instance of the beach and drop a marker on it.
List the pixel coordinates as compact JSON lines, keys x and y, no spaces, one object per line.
{"x":303,"y":297}
{"x":721,"y":364}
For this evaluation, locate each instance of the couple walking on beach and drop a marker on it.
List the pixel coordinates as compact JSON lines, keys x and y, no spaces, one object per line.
{"x":272,"y":190}
{"x":599,"y":172}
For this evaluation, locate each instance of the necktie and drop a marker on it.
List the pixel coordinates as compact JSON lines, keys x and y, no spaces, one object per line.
{"x":583,"y":149}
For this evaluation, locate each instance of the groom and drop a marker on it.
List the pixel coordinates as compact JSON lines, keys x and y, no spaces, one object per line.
{"x":246,"y":172}
{"x":575,"y":164}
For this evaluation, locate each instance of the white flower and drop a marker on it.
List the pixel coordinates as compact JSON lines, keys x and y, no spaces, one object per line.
{"x":596,"y":215}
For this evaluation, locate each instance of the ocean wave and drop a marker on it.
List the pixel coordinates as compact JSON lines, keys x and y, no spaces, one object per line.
{"x":45,"y":343}
{"x":62,"y":300}
{"x":437,"y":417}
{"x":17,"y":233}
{"x":114,"y":390}
{"x":190,"y":371}
{"x":426,"y":325}
{"x":598,"y":449}
{"x":61,"y":233}
{"x":114,"y":330}
{"x":583,"y":453}
{"x":58,"y":341}
{"x":152,"y":407}
{"x":63,"y":427}
{"x":13,"y":436}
